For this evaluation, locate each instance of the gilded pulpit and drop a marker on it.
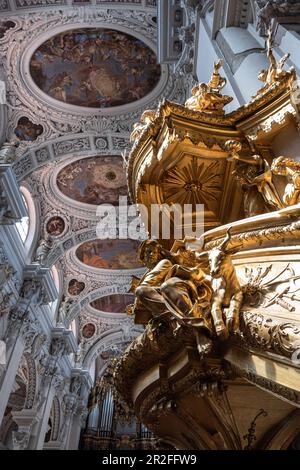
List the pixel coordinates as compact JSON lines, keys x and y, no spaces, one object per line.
{"x":218,"y":364}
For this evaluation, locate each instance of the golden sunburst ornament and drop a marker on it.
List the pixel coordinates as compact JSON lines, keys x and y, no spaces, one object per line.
{"x":196,"y":183}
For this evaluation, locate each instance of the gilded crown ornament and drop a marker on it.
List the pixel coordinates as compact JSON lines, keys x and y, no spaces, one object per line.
{"x":206,"y":97}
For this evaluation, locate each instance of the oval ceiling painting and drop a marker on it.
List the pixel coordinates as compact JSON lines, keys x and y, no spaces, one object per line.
{"x":95,"y":67}
{"x":115,"y":303}
{"x":109,"y":254}
{"x":94,"y":180}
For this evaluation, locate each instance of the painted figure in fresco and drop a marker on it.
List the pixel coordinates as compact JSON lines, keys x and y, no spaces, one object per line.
{"x":60,"y":86}
{"x":95,"y":67}
{"x":5,"y":26}
{"x":75,"y":287}
{"x":55,"y":226}
{"x":109,"y":254}
{"x":27,"y":130}
{"x":94,"y":180}
{"x":115,"y":303}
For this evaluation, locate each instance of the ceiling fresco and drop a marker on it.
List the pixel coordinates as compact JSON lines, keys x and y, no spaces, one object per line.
{"x":75,"y":287}
{"x":94,"y":180}
{"x":27,"y":130}
{"x":88,"y":330}
{"x":55,"y":226}
{"x":109,"y":254}
{"x":115,"y":303}
{"x":95,"y":67}
{"x":5,"y":26}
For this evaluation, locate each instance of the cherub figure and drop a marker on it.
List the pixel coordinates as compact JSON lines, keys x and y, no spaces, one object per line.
{"x":138,"y":128}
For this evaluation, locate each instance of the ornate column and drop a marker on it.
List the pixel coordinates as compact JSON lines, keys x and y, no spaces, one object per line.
{"x":62,"y":343}
{"x":37,"y":288}
{"x":7,"y":280}
{"x":15,"y":339}
{"x":80,"y":386}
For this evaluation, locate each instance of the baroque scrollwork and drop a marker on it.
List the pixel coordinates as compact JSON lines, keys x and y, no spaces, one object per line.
{"x":265,"y":288}
{"x":267,"y":333}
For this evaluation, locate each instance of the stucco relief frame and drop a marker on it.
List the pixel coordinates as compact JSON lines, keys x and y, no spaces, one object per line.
{"x":24,"y":97}
{"x":52,"y":103}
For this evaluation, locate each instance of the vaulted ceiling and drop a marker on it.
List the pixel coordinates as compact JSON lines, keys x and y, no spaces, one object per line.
{"x":77,"y":79}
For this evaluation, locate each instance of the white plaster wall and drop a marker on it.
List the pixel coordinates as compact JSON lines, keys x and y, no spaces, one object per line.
{"x":241,"y":47}
{"x":246,"y":75}
{"x":206,"y":55}
{"x":239,"y":39}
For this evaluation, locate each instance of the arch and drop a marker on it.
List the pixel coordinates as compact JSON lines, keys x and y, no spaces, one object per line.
{"x":56,"y":418}
{"x":96,"y":294}
{"x":108,"y":338}
{"x":32,"y":381}
{"x":33,"y":228}
{"x":208,"y":7}
{"x":64,"y":149}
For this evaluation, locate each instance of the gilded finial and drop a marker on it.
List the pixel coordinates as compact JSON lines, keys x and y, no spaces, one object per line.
{"x":217,"y":83}
{"x":206,"y":97}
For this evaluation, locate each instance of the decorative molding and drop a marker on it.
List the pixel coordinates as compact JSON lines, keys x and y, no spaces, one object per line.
{"x":268,"y":334}
{"x":267,"y":384}
{"x":55,"y":117}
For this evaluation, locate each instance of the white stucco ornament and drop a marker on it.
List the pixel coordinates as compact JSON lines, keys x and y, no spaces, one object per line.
{"x":2,"y":92}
